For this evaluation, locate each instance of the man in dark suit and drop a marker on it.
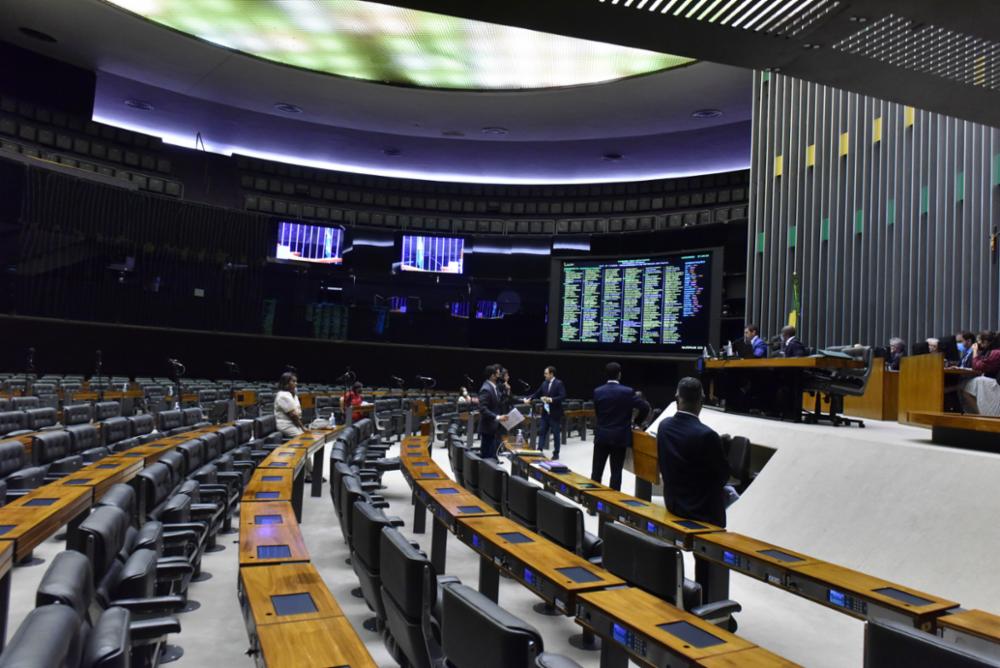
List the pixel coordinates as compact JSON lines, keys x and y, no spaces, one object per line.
{"x":490,"y":413}
{"x":751,"y":334}
{"x":693,"y":466}
{"x":790,"y":345}
{"x":613,"y":405}
{"x":551,"y":392}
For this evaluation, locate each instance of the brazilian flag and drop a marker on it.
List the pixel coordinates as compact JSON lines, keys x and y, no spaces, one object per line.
{"x":793,"y":315}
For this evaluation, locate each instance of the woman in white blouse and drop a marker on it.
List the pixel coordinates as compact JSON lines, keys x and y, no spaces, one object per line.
{"x":288,"y":412}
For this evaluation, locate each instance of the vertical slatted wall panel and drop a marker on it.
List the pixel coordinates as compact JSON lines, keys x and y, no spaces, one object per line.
{"x":887,"y":219}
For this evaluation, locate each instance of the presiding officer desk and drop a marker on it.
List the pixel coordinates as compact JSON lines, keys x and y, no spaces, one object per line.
{"x":718,"y":551}
{"x":598,"y":600}
{"x":775,"y":383}
{"x":292,"y":619}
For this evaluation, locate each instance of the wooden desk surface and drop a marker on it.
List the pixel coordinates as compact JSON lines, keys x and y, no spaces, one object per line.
{"x":28,"y":525}
{"x":6,"y":556}
{"x":621,"y":506}
{"x":286,"y":458}
{"x":264,"y":524}
{"x":100,"y":476}
{"x":645,"y":457}
{"x":422,"y":468}
{"x":758,"y":657}
{"x":260,"y":583}
{"x":543,"y":556}
{"x":815,"y":362}
{"x":855,"y":582}
{"x":570,"y":480}
{"x":974,"y":622}
{"x":318,"y":643}
{"x":273,"y":484}
{"x":752,"y":547}
{"x":452,"y":499}
{"x":954,"y":421}
{"x":645,"y":613}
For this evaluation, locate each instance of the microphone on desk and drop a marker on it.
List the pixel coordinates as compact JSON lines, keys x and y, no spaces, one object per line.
{"x":397,"y":381}
{"x":426,"y":381}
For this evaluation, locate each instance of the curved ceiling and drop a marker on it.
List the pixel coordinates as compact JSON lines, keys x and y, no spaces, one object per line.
{"x":549,"y":135}
{"x":382,"y":43}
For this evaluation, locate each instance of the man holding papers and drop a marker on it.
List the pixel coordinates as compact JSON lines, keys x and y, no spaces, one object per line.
{"x":551,"y":392}
{"x":490,"y":417}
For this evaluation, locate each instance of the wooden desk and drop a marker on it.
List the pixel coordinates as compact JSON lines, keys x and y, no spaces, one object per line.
{"x":270,"y":534}
{"x":648,"y":517}
{"x":864,"y":596}
{"x":645,"y":463}
{"x":446,"y":501}
{"x":923,"y":380}
{"x":286,"y":458}
{"x":246,"y":398}
{"x":35,"y":517}
{"x":259,"y":585}
{"x":319,"y":643}
{"x":631,"y":622}
{"x":813,"y":362}
{"x":101,"y":475}
{"x":975,"y":630}
{"x":971,"y":432}
{"x":269,"y":485}
{"x":538,"y":564}
{"x":571,"y":485}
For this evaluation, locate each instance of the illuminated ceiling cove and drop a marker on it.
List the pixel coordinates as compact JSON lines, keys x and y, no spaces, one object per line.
{"x":373,"y":42}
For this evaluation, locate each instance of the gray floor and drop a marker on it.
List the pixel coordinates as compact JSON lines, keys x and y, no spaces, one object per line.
{"x":815,"y":496}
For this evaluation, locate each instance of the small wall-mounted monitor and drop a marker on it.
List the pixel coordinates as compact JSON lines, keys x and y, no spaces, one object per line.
{"x":308,"y":243}
{"x":488,"y":310}
{"x":459,"y":309}
{"x":439,"y":255}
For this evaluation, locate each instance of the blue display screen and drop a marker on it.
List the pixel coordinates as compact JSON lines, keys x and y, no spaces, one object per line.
{"x":529,"y":577}
{"x":837,"y":597}
{"x":317,"y":244}
{"x":650,"y":527}
{"x":600,"y":506}
{"x":619,"y":633}
{"x":730,"y":558}
{"x":442,"y":255}
{"x":475,"y":540}
{"x":488,"y":310}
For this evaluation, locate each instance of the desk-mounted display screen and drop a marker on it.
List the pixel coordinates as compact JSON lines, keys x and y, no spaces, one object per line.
{"x":311,"y":244}
{"x":656,"y":303}
{"x":437,"y":255}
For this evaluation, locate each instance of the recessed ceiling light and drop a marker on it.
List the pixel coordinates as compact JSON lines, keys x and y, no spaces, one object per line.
{"x":390,"y":150}
{"x":288,"y":108}
{"x":612,"y":156}
{"x":494,"y":130}
{"x":707,"y":113}
{"x":141,"y":105}
{"x":37,"y":34}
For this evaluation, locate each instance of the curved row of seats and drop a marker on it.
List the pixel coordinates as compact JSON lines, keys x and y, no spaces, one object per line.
{"x":130,"y":561}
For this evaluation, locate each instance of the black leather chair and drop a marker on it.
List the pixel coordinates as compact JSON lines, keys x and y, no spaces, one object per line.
{"x":456,"y":455}
{"x":38,"y":419}
{"x":143,"y":428}
{"x":116,"y":434}
{"x":69,"y":584}
{"x":562,"y":522}
{"x":367,"y":525}
{"x":658,"y":568}
{"x":170,"y":422}
{"x":17,"y":474}
{"x":24,"y":403}
{"x":86,"y":442}
{"x":194,"y":418}
{"x":492,"y":483}
{"x":737,"y":449}
{"x":76,"y":414}
{"x":178,"y":512}
{"x":477,"y":633}
{"x":53,"y":451}
{"x":200,"y":480}
{"x":13,"y":423}
{"x":521,"y":503}
{"x":470,"y":471}
{"x":412,"y":601}
{"x":52,"y":636}
{"x":107,"y":409}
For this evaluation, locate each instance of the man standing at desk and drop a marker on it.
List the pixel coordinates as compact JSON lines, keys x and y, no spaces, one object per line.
{"x":490,"y":413}
{"x":790,"y":345}
{"x":693,"y":466}
{"x":613,"y":406}
{"x":551,"y":392}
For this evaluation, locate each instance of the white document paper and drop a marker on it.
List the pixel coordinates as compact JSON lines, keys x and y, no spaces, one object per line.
{"x":513,"y":419}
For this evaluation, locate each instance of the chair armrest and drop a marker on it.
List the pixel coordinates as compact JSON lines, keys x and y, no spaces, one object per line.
{"x":717,"y":611}
{"x":369,"y":486}
{"x":152,"y":604}
{"x":182,"y":530}
{"x":174,"y":568}
{"x":203,"y":509}
{"x":145,"y":630}
{"x":395,"y":521}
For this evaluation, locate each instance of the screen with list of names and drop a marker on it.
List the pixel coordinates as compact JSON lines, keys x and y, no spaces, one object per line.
{"x":653,"y":304}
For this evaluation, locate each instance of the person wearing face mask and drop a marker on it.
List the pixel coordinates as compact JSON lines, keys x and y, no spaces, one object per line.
{"x":965,"y":341}
{"x":982,"y":393}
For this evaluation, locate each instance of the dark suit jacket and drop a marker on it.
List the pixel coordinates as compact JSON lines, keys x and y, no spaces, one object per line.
{"x":489,"y":409}
{"x":613,"y":404}
{"x":793,"y":348}
{"x":557,"y":391}
{"x":694,"y":469}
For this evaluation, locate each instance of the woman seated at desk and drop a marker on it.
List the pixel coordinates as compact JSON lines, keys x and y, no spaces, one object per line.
{"x":982,"y":393}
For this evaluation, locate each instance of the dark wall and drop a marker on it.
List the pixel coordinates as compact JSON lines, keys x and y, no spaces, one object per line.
{"x":68,"y":347}
{"x":51,"y":83}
